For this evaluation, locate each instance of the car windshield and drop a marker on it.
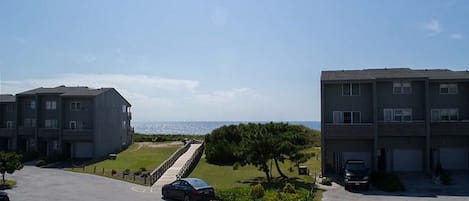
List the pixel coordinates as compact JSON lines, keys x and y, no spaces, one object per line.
{"x":197,"y":183}
{"x":355,"y":166}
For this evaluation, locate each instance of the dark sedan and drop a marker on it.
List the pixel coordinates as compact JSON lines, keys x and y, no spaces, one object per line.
{"x":4,"y":196}
{"x":188,"y":189}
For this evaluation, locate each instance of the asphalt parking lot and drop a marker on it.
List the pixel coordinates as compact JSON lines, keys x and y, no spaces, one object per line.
{"x":418,"y":188}
{"x":45,"y":184}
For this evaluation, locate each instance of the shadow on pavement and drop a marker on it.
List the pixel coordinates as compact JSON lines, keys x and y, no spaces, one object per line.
{"x":421,"y":185}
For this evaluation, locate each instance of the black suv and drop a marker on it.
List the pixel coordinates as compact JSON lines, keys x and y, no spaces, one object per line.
{"x":356,"y":174}
{"x":4,"y":196}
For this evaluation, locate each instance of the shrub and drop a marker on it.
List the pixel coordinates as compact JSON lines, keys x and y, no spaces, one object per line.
{"x":40,"y":163}
{"x":145,"y":174}
{"x":326,"y":181}
{"x":28,"y":156}
{"x":445,"y":178}
{"x":389,"y":182}
{"x":113,"y":172}
{"x":233,"y":194}
{"x":257,"y":191}
{"x":143,"y":169}
{"x":138,"y":172}
{"x":289,"y":188}
{"x":126,"y":172}
{"x":236,"y":166}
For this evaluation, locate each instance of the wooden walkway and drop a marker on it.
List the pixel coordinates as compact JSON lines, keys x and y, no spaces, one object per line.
{"x":170,"y":174}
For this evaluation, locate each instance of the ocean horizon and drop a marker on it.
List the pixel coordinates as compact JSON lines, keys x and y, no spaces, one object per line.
{"x":200,"y":127}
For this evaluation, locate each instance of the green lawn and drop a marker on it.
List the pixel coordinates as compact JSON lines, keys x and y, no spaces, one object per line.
{"x":8,"y":184}
{"x":134,"y":158}
{"x":224,"y":177}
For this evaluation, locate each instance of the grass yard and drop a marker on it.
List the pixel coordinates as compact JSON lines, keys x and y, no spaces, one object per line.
{"x":8,"y":184}
{"x":138,"y":155}
{"x":224,"y":177}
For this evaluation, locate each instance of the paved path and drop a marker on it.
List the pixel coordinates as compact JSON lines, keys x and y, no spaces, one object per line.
{"x":418,"y":188}
{"x":170,"y":174}
{"x":44,"y":184}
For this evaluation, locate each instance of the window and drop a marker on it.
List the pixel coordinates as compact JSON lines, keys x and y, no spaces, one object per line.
{"x":445,"y":114}
{"x":32,"y":104}
{"x":351,"y":89}
{"x":388,"y":115}
{"x":340,"y":117}
{"x":401,"y":87}
{"x":398,"y":114}
{"x":50,"y":123}
{"x":124,"y":108}
{"x":29,"y":123}
{"x":72,"y":125}
{"x":10,"y":124}
{"x":75,"y":106}
{"x":448,"y":88}
{"x":51,"y":105}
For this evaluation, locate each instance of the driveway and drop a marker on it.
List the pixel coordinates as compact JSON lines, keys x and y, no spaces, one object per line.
{"x":418,"y":188}
{"x":45,"y":184}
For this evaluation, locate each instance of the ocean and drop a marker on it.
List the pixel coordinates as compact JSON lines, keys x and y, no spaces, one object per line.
{"x":199,"y":127}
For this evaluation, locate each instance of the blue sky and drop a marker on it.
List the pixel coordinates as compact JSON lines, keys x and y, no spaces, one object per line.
{"x":222,"y":60}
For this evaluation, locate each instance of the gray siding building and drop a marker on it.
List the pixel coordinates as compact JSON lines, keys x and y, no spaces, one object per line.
{"x":79,"y":122}
{"x":7,"y":122}
{"x":399,"y":119}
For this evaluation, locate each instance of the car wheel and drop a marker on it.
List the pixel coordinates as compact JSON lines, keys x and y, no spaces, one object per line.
{"x":187,"y":198}
{"x":165,"y":194}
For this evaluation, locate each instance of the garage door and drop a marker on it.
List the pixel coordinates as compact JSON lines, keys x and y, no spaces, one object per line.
{"x":454,"y":158}
{"x":83,"y":150}
{"x":364,"y":156}
{"x":407,"y":160}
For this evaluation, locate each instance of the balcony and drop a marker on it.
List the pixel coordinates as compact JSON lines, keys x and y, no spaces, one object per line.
{"x":48,"y":133}
{"x":348,"y":131}
{"x":7,"y":132}
{"x":415,"y":128}
{"x":26,"y":132}
{"x":78,"y":134}
{"x":449,"y":128}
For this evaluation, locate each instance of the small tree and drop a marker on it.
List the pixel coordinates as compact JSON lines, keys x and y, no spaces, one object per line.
{"x":9,"y":163}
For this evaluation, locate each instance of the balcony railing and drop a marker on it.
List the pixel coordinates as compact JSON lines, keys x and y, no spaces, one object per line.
{"x":449,"y":128}
{"x":48,"y":133}
{"x":413,"y":128}
{"x":7,"y":132}
{"x":78,"y":134}
{"x":26,"y":131}
{"x":348,"y":131}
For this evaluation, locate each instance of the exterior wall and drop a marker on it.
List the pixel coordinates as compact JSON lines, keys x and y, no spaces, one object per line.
{"x":45,"y":113}
{"x":335,"y":149}
{"x":415,"y":100}
{"x":85,"y":115}
{"x":335,"y":101}
{"x":459,"y":100}
{"x":109,"y":133}
{"x":7,"y":135}
{"x":387,"y":140}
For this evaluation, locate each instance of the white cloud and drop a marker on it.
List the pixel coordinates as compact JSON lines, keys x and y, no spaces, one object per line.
{"x":433,"y":26}
{"x":156,"y":98}
{"x":456,"y":36}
